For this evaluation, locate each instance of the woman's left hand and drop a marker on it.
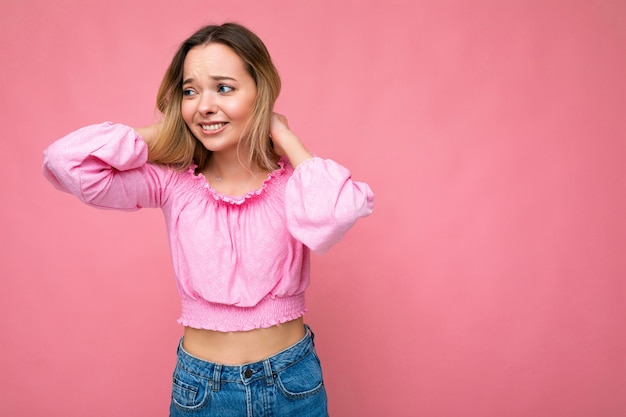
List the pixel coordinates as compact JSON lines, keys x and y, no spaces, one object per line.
{"x":286,"y":142}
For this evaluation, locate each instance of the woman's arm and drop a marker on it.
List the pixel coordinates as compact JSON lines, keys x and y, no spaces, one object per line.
{"x":322,"y":202}
{"x":105,"y":166}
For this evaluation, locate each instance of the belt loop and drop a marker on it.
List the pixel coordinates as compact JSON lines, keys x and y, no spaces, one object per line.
{"x":269,"y":375}
{"x":217,"y":373}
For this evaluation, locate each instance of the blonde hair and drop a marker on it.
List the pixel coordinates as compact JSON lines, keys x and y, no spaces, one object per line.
{"x":174,"y":144}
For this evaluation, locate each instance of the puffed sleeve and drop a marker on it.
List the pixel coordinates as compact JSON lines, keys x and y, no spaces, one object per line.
{"x":323,"y":202}
{"x":105,"y":166}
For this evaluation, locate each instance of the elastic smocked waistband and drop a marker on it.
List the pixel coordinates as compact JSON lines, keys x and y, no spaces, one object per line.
{"x":269,"y":311}
{"x":250,"y":371}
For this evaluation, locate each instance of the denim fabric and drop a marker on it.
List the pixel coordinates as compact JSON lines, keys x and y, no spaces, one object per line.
{"x":286,"y":384}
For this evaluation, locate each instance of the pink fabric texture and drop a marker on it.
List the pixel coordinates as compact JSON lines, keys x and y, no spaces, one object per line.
{"x":240,"y":262}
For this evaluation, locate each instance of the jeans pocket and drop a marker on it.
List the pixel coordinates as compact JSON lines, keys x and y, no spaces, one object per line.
{"x":302,"y":379}
{"x":189,"y":391}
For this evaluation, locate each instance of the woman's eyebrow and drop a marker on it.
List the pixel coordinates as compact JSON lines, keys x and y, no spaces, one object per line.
{"x":213,"y":77}
{"x":223,"y":77}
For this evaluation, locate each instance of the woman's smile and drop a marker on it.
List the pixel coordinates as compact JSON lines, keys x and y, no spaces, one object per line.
{"x":213,"y":128}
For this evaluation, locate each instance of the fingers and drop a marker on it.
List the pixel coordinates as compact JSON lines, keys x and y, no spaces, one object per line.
{"x":277,"y":117}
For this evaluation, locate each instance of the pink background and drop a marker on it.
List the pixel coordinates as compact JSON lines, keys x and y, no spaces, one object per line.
{"x":489,"y":282}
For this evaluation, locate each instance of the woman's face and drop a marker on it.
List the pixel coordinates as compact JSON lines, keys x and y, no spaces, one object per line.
{"x":218,"y":96}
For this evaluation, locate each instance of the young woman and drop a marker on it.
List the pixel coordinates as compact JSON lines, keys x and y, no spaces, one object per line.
{"x":244,"y":202}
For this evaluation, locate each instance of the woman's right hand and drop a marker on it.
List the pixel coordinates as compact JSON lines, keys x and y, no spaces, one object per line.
{"x":148,"y":133}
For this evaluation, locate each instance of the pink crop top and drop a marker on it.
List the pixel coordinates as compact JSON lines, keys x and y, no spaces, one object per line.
{"x":240,"y":262}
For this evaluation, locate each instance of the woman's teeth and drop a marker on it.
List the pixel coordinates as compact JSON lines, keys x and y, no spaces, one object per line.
{"x":215,"y":126}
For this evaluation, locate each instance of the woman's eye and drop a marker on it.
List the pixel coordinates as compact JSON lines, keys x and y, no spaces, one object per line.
{"x":223,"y":88}
{"x":187,"y":92}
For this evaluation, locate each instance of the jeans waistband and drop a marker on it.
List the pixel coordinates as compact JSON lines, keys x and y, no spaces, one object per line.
{"x":248,"y":372}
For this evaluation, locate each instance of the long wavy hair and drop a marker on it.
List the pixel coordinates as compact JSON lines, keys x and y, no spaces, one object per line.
{"x":174,"y":144}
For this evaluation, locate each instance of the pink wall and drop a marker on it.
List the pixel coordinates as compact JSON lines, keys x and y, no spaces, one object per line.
{"x":489,"y":282}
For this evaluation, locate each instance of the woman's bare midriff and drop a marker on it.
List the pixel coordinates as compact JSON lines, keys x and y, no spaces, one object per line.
{"x":238,"y":348}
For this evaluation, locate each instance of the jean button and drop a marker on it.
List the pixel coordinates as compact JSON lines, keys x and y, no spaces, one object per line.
{"x":247,"y":373}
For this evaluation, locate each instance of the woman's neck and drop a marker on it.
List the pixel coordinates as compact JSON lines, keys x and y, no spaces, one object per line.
{"x":233,"y":175}
{"x":232,"y":166}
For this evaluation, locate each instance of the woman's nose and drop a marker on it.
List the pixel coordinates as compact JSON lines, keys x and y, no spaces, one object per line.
{"x":208,"y":104}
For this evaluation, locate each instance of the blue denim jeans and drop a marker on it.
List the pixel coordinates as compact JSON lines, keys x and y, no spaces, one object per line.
{"x":286,"y":384}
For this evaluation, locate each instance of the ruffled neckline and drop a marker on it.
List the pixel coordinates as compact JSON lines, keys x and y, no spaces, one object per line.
{"x":240,"y":199}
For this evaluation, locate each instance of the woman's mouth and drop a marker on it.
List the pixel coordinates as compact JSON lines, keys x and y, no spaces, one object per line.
{"x":212,"y":127}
